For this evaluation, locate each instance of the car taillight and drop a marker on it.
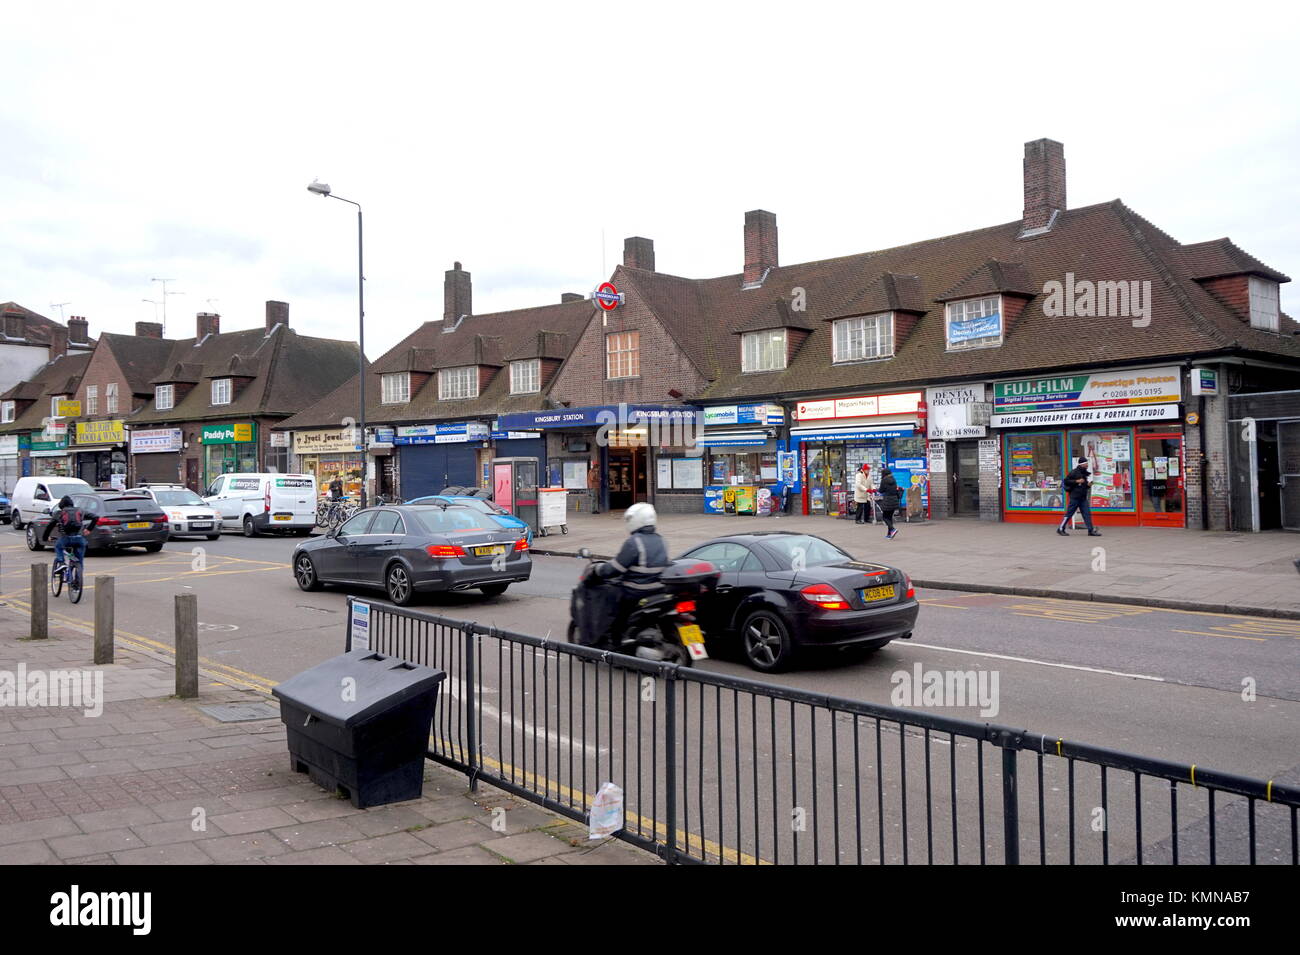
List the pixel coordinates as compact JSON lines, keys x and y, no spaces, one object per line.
{"x":439,"y":551}
{"x":702,"y":567}
{"x":267,"y":499}
{"x":160,"y":519}
{"x":521,"y":544}
{"x":907,"y":585}
{"x":107,"y":520}
{"x":685,"y":606}
{"x":824,"y":596}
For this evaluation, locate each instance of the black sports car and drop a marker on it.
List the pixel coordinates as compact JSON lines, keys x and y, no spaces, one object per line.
{"x":414,"y":548}
{"x":781,"y":593}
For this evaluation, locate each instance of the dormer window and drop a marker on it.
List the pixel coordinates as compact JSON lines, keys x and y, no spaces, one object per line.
{"x":974,"y":323}
{"x":864,"y":337}
{"x":6,"y":412}
{"x":1265,"y":304}
{"x":54,"y":405}
{"x":763,"y":351}
{"x":164,"y":397}
{"x":526,"y":376}
{"x":396,"y":388}
{"x":458,"y":383}
{"x":221,"y":391}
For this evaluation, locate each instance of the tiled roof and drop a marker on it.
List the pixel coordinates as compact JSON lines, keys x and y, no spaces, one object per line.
{"x":1220,"y":257}
{"x":38,"y":326}
{"x":887,"y":292}
{"x":139,"y":357}
{"x":59,"y":377}
{"x":991,"y":278}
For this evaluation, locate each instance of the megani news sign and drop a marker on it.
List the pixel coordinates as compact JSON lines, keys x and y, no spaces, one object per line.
{"x":864,"y":406}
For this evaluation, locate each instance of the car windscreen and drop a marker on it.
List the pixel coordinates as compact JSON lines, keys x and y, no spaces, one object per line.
{"x":177,"y":498}
{"x":453,"y":520}
{"x":58,"y":490}
{"x":805,"y":550}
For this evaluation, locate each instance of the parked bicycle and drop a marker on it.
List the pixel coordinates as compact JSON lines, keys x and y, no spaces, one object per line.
{"x":336,"y":512}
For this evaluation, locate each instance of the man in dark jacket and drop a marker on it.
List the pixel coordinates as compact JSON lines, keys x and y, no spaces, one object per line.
{"x":73,"y":524}
{"x":889,"y":500}
{"x":639,"y":562}
{"x":1076,"y":486}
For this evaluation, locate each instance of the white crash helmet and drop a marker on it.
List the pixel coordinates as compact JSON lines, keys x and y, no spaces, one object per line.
{"x":640,"y":515}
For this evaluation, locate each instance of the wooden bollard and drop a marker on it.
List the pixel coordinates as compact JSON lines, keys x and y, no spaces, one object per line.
{"x":187,"y":646}
{"x":104,"y":598}
{"x":40,"y":602}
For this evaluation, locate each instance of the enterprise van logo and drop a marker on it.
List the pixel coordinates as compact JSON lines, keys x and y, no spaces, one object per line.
{"x":75,"y":907}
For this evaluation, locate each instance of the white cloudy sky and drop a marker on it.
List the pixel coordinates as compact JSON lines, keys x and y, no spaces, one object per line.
{"x":176,"y":140}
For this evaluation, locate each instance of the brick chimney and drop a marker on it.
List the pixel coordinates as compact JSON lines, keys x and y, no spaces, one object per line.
{"x":1044,"y":182}
{"x":639,"y":253}
{"x":277,"y":313}
{"x":571,"y":297}
{"x":148,"y":330}
{"x":15,"y":325}
{"x":457,"y":294}
{"x":58,"y":341}
{"x":760,"y":244}
{"x":207,"y":323}
{"x":77,"y":330}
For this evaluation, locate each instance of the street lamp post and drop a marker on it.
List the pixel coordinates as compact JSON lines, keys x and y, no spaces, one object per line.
{"x":323,"y":189}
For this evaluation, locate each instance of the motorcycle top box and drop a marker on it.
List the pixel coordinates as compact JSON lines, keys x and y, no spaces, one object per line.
{"x":691,"y":577}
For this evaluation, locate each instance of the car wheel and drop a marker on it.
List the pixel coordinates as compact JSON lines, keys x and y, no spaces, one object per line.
{"x":304,"y":571}
{"x":33,"y":542}
{"x":214,"y":537}
{"x":16,"y":521}
{"x":152,"y":548}
{"x":767,"y":643}
{"x":493,"y":590}
{"x":397,"y":582}
{"x":249,"y":529}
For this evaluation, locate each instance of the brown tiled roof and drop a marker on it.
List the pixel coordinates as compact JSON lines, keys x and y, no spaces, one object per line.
{"x":180,"y":372}
{"x":466,"y":345}
{"x":412,"y":359}
{"x":1220,"y":257}
{"x":38,"y":326}
{"x":542,"y":345}
{"x":140,"y":358}
{"x":59,"y":377}
{"x":778,"y":314}
{"x":991,"y":278}
{"x":887,"y":292}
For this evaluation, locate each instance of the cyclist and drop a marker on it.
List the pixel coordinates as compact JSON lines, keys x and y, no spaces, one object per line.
{"x":73,"y":524}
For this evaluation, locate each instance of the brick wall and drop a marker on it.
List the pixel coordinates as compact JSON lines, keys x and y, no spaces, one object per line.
{"x":941,"y":487}
{"x":100,"y":371}
{"x":991,"y":485}
{"x":1044,"y":170}
{"x":1215,"y":451}
{"x":1193,"y":478}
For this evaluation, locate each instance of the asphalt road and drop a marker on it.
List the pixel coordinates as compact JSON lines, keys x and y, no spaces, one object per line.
{"x":1155,"y":682}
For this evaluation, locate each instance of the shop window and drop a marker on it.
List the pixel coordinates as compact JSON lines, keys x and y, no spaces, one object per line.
{"x":1036,"y":467}
{"x":396,"y":388}
{"x":92,"y":399}
{"x":164,"y":397}
{"x":763,"y":351}
{"x":277,"y":460}
{"x":865,"y":337}
{"x":1110,"y":461}
{"x":221,"y":391}
{"x":526,"y":376}
{"x":458,"y":383}
{"x":110,"y":398}
{"x":1264,"y":304}
{"x":974,"y":323}
{"x":623,"y":355}
{"x":740,"y":467}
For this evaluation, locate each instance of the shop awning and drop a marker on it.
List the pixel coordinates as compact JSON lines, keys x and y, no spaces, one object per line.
{"x":724,"y":439}
{"x":78,"y":449}
{"x":850,"y":433}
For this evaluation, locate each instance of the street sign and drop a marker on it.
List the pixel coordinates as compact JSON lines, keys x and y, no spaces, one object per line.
{"x":607,"y":297}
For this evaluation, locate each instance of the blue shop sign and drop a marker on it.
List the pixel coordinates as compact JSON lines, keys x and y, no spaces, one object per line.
{"x":612,"y":415}
{"x":459,"y":433}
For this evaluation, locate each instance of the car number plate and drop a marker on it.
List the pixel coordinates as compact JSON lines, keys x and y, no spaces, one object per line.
{"x":284,"y":517}
{"x":138,"y":525}
{"x":878,"y":593}
{"x":490,"y":551}
{"x":693,"y":640}
{"x":200,"y":525}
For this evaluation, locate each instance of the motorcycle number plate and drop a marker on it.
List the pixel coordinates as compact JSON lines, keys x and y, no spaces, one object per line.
{"x":693,"y":640}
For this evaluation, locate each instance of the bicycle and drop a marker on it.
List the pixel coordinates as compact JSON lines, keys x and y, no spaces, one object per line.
{"x":339,"y":511}
{"x":72,"y":571}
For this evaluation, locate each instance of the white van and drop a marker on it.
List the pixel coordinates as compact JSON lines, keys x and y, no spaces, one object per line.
{"x":37,"y":496}
{"x":264,"y":502}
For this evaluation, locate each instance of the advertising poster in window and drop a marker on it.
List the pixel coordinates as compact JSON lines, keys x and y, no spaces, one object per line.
{"x":664,"y":473}
{"x":687,"y":473}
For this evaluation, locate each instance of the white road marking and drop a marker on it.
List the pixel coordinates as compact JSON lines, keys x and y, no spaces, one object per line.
{"x":558,"y":740}
{"x":1041,"y":663}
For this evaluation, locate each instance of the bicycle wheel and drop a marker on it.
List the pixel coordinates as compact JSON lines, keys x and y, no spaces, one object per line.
{"x":56,"y":579}
{"x":74,"y":582}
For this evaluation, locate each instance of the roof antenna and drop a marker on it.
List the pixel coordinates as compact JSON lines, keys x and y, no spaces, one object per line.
{"x":59,"y":306}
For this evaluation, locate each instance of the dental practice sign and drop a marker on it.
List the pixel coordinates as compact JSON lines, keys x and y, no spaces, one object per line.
{"x":1145,"y":394}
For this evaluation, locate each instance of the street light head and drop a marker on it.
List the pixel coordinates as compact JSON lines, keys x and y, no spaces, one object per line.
{"x":320,"y":188}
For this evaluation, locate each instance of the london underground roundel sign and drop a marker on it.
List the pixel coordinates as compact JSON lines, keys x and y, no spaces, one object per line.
{"x":607,"y":297}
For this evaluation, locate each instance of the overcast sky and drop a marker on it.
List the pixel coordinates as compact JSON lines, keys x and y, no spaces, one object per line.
{"x":176,"y":141}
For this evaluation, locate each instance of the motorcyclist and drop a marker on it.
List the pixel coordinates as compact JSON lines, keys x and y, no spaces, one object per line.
{"x":72,"y":524}
{"x":639,"y":562}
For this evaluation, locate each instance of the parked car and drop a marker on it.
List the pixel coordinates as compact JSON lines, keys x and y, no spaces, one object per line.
{"x":782,"y":593}
{"x":483,"y":506}
{"x":410,"y":549}
{"x":34,"y":496}
{"x":254,"y":503}
{"x":5,"y":509}
{"x":125,"y":520}
{"x":187,"y":513}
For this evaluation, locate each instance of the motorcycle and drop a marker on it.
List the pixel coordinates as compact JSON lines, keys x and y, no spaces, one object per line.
{"x":660,"y":626}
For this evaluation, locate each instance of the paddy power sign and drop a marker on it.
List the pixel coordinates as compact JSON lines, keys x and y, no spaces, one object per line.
{"x":229,"y":433}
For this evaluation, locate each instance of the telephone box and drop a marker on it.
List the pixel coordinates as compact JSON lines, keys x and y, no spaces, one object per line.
{"x":514,"y":487}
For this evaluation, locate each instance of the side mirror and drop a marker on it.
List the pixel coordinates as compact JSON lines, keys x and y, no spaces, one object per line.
{"x":584,"y":552}
{"x":332,"y":533}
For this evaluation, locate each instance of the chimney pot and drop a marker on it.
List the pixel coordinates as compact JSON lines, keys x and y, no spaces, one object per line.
{"x":457,"y":294}
{"x":760,"y":244}
{"x":77,"y":326}
{"x":1044,"y":182}
{"x":639,"y":253}
{"x":148,"y":330}
{"x":207,"y":323}
{"x":277,"y":313}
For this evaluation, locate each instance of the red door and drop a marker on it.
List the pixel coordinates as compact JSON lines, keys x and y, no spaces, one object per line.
{"x":1162,"y":498}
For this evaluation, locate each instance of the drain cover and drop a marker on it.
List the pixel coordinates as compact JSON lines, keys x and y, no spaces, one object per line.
{"x":241,"y":712}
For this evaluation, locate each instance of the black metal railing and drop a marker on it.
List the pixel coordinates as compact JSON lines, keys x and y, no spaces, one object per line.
{"x":720,"y":769}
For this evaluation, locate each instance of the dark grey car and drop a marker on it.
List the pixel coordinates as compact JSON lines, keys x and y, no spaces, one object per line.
{"x":125,"y":520}
{"x":410,"y":549}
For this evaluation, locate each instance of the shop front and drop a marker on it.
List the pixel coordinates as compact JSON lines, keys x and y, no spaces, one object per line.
{"x":100,"y":448}
{"x":228,"y":448}
{"x":328,"y":454}
{"x":742,"y":457}
{"x":957,"y":420}
{"x":48,"y":455}
{"x":1127,"y":424}
{"x":431,"y":457}
{"x":835,"y":437}
{"x":10,"y":463}
{"x":156,"y":455}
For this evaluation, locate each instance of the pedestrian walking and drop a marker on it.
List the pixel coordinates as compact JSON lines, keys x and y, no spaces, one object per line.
{"x":864,"y":488}
{"x":1076,"y":485}
{"x":889,"y":500}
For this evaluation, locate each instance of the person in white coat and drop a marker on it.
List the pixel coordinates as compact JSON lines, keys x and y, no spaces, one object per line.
{"x":864,"y":488}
